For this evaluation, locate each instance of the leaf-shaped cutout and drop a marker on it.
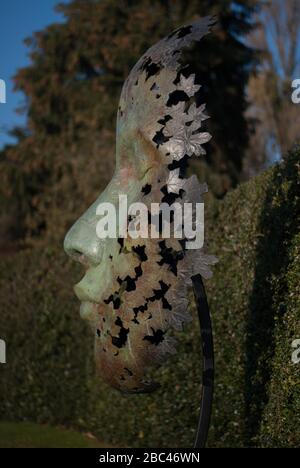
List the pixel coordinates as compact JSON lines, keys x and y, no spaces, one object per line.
{"x":188,"y":85}
{"x":174,"y":183}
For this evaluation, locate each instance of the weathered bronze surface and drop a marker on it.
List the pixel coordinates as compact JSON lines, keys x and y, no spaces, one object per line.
{"x":135,"y":290}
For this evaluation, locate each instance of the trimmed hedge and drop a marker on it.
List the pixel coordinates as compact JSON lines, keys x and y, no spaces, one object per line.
{"x":254,"y":300}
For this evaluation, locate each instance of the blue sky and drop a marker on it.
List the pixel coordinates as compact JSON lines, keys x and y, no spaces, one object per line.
{"x":18,"y":20}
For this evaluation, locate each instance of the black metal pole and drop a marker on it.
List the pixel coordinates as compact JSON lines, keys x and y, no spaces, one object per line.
{"x":208,"y":362}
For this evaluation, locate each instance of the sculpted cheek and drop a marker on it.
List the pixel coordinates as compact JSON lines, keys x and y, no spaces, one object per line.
{"x":126,"y":175}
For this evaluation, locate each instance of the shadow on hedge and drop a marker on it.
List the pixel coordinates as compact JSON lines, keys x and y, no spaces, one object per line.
{"x":277,"y":228}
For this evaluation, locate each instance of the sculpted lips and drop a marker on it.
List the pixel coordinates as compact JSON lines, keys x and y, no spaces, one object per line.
{"x":89,"y":308}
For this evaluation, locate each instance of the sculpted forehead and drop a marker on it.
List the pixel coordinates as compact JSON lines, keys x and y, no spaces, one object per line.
{"x":148,"y":93}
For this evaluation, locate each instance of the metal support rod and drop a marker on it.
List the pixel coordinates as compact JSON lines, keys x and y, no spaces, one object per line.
{"x":208,"y":362}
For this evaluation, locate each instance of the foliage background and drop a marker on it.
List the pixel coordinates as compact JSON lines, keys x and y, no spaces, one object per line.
{"x":62,"y":159}
{"x":254,"y":301}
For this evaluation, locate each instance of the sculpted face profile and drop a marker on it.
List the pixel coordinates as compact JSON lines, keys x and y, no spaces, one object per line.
{"x":134,"y":290}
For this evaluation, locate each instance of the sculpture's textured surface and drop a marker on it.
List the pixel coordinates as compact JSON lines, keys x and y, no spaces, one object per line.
{"x":134,"y":290}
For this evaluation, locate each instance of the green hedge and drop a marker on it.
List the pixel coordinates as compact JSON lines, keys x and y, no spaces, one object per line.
{"x":254,"y":299}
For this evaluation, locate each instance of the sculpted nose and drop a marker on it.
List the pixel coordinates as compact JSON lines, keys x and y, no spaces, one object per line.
{"x":81,"y":241}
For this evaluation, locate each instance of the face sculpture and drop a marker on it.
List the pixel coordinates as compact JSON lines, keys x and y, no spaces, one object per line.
{"x":135,"y":289}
